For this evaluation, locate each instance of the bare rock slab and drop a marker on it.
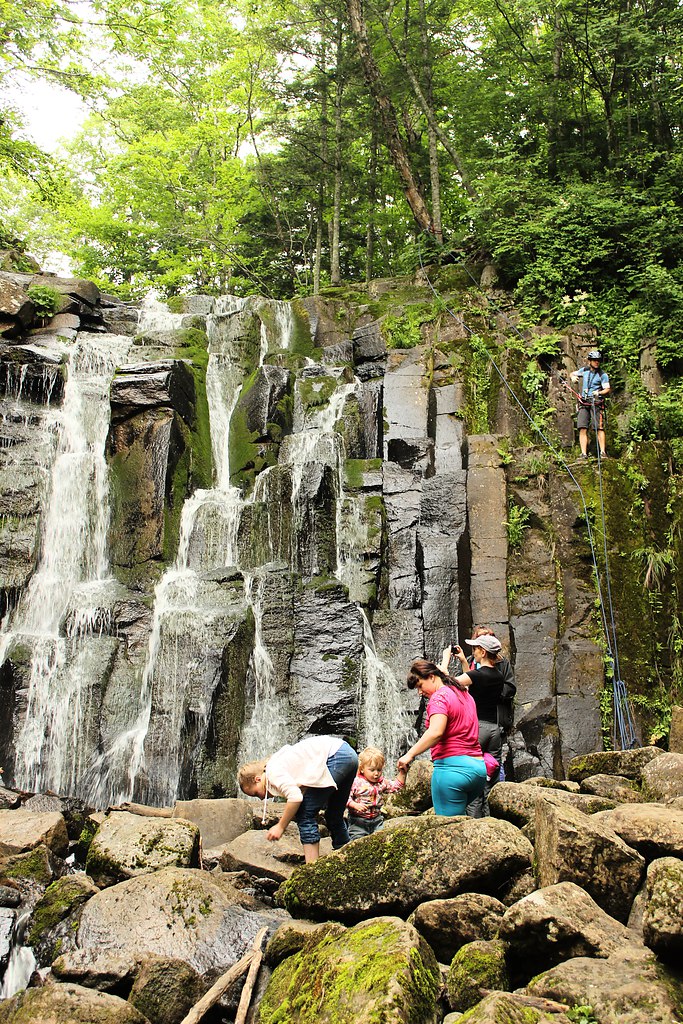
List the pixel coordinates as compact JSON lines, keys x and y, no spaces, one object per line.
{"x":624,"y":989}
{"x":254,"y":852}
{"x":21,"y":831}
{"x":174,"y":912}
{"x":654,"y":830}
{"x":572,"y":847}
{"x":71,"y":1004}
{"x":127,"y":845}
{"x":400,"y":867}
{"x":559,"y":923}
{"x":379,"y":970}
{"x":614,"y":787}
{"x":518,"y":803}
{"x":219,"y":821}
{"x":663,"y":912}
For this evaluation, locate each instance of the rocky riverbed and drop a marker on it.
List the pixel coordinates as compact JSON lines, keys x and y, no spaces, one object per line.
{"x":565,"y":905}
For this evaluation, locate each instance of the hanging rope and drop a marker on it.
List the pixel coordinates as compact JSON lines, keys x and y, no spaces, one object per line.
{"x":623,"y":731}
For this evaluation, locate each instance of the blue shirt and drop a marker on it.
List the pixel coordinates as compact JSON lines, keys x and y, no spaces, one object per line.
{"x":593,"y":380}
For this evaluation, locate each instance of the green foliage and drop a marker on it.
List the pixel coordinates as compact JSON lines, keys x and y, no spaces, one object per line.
{"x":517,"y":523}
{"x":582,"y":1015}
{"x":45,"y":300}
{"x":403,"y":330}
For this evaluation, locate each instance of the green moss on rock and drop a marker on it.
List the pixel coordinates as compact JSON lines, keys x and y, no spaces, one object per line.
{"x":34,"y":865}
{"x":476,"y":965}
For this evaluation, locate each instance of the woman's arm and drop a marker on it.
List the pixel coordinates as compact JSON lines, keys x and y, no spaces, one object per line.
{"x":290,"y":809}
{"x":437,"y":727}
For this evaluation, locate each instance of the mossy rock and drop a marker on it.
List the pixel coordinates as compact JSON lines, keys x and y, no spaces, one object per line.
{"x":165,"y":990}
{"x":506,"y":1008}
{"x":476,"y":965}
{"x":36,"y":866}
{"x":380,"y":970}
{"x":68,"y":1004}
{"x":627,"y":763}
{"x":57,"y":902}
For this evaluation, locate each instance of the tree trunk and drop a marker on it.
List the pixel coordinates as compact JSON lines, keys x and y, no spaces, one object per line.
{"x":387,"y":116}
{"x":372,"y":199}
{"x":434,"y":178}
{"x":335,"y":270}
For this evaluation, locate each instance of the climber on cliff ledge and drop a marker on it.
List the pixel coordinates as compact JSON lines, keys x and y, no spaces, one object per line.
{"x":591,"y":411}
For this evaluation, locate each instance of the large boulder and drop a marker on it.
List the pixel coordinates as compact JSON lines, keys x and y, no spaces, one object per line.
{"x":61,"y":899}
{"x":254,"y":852}
{"x":629,"y":763}
{"x":663,"y":911}
{"x":291,"y":936}
{"x":614,"y":787}
{"x":219,"y":821}
{"x":381,"y":970}
{"x":107,"y":972}
{"x":654,"y":830}
{"x":479,"y":964}
{"x":663,"y":777}
{"x":518,"y":803}
{"x":628,"y":988}
{"x":416,"y":795}
{"x":449,"y":924}
{"x":21,"y":831}
{"x":69,"y":1004}
{"x":130,"y":844}
{"x":572,"y":847}
{"x":398,"y":868}
{"x":509,"y":1008}
{"x":556,"y":924}
{"x":174,"y":912}
{"x":165,"y":990}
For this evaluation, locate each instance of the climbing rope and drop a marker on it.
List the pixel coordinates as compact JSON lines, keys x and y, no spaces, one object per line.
{"x":623,"y":731}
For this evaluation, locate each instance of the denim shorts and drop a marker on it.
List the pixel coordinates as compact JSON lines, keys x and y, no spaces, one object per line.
{"x":343,"y":767}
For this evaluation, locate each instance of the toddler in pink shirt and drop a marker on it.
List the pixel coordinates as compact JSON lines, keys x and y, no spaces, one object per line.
{"x":367,"y":790}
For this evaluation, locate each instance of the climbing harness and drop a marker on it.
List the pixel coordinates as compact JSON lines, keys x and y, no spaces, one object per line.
{"x":623,"y":731}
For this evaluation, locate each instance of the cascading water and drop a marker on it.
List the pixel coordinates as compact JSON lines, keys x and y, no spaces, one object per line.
{"x":22,"y":962}
{"x":51,"y":744}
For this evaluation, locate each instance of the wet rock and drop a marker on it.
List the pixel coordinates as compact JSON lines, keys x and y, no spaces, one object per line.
{"x":9,"y":897}
{"x":662,"y":914}
{"x":449,"y":924}
{"x":654,"y":830}
{"x":627,"y":988}
{"x":15,"y":305}
{"x":7,"y":919}
{"x":293,"y":936}
{"x":614,"y":787}
{"x":121,"y":319}
{"x":629,"y":763}
{"x":518,"y":803}
{"x":127,"y":845}
{"x":21,"y":831}
{"x":381,"y":969}
{"x":556,"y":924}
{"x":572,"y":847}
{"x":38,"y":865}
{"x":53,"y":1004}
{"x":400,"y":867}
{"x":662,"y":777}
{"x":107,"y":972}
{"x":9,"y":800}
{"x":145,"y":385}
{"x":165,"y":990}
{"x":253,"y":852}
{"x":487,"y":509}
{"x":219,"y":821}
{"x":173,"y":912}
{"x":479,"y":964}
{"x":267,"y":414}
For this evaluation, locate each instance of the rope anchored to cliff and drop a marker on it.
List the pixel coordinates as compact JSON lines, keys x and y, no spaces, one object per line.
{"x":623,"y":731}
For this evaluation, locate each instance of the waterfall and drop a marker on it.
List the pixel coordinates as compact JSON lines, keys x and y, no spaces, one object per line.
{"x":51,"y":743}
{"x":22,"y":962}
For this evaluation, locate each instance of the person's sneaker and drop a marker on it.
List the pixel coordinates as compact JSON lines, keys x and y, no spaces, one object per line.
{"x":604,"y":455}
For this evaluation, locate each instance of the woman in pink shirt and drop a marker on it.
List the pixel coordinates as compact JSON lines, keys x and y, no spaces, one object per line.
{"x":452,"y":736}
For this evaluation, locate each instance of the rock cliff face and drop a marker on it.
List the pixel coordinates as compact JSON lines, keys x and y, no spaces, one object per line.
{"x":230,"y":526}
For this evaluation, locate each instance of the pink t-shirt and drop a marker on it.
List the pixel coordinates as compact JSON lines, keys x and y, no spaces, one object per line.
{"x":462,"y":728}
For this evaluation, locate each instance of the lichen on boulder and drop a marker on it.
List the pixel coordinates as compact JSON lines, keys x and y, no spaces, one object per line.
{"x":478,"y":964}
{"x":380,"y":970}
{"x":129,"y":844}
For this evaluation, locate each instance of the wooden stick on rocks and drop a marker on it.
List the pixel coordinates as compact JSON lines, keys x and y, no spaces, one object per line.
{"x":223,"y":983}
{"x":254,"y":967}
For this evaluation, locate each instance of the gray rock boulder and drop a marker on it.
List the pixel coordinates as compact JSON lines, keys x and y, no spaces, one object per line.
{"x":571,"y":847}
{"x":21,"y":831}
{"x":69,"y":1004}
{"x":144,"y":385}
{"x":7,"y":919}
{"x":107,"y":972}
{"x":253,"y":852}
{"x":630,"y":988}
{"x":174,"y":912}
{"x":416,"y":795}
{"x":663,"y":911}
{"x":449,"y":924}
{"x":127,"y":845}
{"x":508,"y":1008}
{"x":479,"y":964}
{"x":654,"y":830}
{"x":663,"y":777}
{"x":292,"y":936}
{"x":556,"y":924}
{"x":518,"y":803}
{"x":380,"y":970}
{"x":400,"y":867}
{"x":629,"y":763}
{"x":614,"y":787}
{"x":15,"y":305}
{"x":165,"y":990}
{"x":219,"y":821}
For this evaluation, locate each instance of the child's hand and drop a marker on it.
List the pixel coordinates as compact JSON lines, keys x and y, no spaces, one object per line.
{"x":275,"y":833}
